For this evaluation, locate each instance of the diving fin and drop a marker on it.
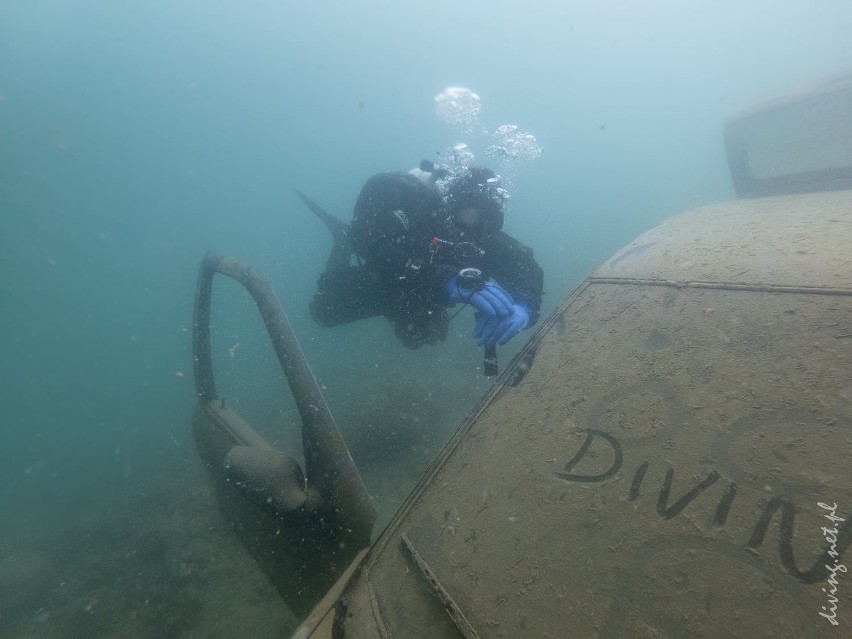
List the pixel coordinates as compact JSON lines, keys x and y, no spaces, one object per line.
{"x":335,"y":225}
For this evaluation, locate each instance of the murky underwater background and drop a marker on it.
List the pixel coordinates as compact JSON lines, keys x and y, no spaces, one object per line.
{"x":135,"y":136}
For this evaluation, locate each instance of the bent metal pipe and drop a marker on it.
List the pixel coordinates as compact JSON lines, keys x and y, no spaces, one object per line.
{"x":329,"y":467}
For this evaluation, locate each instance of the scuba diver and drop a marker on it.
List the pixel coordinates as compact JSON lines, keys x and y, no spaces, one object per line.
{"x":421,"y":242}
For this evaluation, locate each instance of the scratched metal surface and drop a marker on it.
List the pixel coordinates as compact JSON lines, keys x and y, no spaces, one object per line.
{"x":656,"y":473}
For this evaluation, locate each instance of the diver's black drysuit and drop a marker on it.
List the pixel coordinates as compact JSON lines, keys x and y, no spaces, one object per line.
{"x":407,"y":247}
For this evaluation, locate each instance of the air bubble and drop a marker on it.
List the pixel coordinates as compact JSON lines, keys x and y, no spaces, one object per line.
{"x":511,"y":145}
{"x":458,"y":106}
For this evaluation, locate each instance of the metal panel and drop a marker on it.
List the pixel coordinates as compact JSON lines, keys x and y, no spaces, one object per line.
{"x":659,"y":468}
{"x":798,"y":143}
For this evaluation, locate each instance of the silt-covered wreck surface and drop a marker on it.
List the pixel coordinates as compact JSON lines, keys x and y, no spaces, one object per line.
{"x":662,"y":460}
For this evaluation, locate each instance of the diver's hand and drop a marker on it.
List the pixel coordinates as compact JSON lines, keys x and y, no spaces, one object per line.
{"x":492,"y":301}
{"x":489,"y":331}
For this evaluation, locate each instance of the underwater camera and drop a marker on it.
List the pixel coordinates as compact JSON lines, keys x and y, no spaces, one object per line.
{"x":473,"y":280}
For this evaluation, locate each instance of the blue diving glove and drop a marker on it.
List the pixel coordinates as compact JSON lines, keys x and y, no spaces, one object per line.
{"x":501,"y":330}
{"x":492,"y":301}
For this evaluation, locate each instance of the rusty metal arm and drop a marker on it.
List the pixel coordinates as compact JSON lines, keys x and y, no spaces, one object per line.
{"x":329,"y":467}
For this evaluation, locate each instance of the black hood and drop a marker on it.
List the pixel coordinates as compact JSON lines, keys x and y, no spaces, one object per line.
{"x":478,"y":187}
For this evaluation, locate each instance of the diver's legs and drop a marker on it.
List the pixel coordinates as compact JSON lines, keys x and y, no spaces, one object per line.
{"x":339,"y":257}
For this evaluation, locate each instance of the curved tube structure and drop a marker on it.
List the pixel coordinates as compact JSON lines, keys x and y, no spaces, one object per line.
{"x":303,"y":528}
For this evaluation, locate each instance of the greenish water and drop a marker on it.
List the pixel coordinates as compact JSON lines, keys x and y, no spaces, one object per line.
{"x":136,"y":136}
